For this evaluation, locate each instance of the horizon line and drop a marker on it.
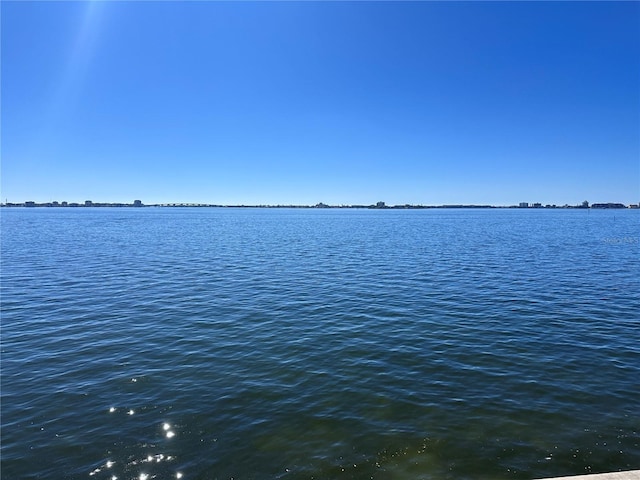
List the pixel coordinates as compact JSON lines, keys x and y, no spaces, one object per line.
{"x":378,"y":205}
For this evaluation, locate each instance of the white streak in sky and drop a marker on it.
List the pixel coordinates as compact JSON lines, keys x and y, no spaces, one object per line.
{"x":72,"y":79}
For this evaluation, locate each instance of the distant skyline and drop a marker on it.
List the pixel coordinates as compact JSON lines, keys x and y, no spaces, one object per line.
{"x":304,"y":102}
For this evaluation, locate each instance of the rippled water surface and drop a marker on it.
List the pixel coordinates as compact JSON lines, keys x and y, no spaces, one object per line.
{"x":296,"y":344}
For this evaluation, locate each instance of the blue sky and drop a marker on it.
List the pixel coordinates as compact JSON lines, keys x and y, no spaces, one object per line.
{"x":302,"y":102}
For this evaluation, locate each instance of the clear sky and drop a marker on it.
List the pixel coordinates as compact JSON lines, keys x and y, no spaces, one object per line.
{"x":303,"y":102}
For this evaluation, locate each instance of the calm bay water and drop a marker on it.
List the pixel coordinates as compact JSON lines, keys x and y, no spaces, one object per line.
{"x":297,"y":344}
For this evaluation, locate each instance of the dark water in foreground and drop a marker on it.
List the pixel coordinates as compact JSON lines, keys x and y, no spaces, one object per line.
{"x":298,"y":344}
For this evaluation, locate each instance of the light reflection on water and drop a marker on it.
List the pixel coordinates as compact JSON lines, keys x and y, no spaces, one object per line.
{"x":308,"y":344}
{"x":140,"y":466}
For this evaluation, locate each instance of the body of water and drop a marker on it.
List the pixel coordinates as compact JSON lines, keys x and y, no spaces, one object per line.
{"x":213,"y":343}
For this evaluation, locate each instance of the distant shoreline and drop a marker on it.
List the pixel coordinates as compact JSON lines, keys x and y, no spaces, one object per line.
{"x":376,"y":206}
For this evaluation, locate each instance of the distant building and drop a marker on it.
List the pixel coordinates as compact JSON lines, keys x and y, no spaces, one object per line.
{"x":537,"y":205}
{"x":29,"y":204}
{"x":137,"y":203}
{"x":381,"y":205}
{"x":608,"y":205}
{"x":88,"y":203}
{"x":64,"y":204}
{"x":524,"y":205}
